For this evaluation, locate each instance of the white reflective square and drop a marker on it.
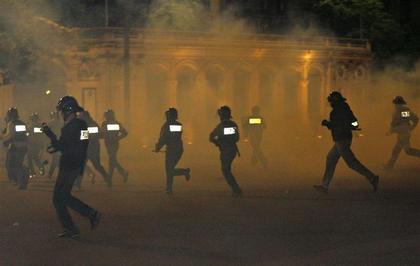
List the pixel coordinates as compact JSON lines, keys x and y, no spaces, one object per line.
{"x":175,"y":128}
{"x":255,"y":121}
{"x":37,"y":130}
{"x":355,"y":124}
{"x":113,"y":127}
{"x":20,"y":128}
{"x":405,"y":114}
{"x":84,"y":134}
{"x":93,"y":130}
{"x":229,"y":131}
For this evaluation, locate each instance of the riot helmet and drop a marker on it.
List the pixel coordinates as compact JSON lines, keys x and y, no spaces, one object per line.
{"x":171,"y":114}
{"x":224,"y":112}
{"x":68,"y":105}
{"x":109,"y":115}
{"x":336,"y":97}
{"x":399,"y":100}
{"x":34,"y":117}
{"x":256,"y":110}
{"x":12,"y":114}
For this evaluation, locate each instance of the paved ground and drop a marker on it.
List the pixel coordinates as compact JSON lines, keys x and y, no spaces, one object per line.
{"x":280,"y":221}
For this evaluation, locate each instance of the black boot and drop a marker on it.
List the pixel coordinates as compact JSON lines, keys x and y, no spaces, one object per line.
{"x":94,"y":219}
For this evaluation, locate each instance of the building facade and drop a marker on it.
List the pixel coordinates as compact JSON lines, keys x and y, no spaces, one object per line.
{"x":141,"y":73}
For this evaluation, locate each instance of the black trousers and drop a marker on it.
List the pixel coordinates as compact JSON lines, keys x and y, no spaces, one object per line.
{"x":94,"y":157}
{"x":16,"y":171}
{"x":342,"y":149}
{"x":63,"y":199}
{"x":403,"y":143}
{"x":172,"y":158}
{"x":113,"y":161}
{"x":226,"y":158}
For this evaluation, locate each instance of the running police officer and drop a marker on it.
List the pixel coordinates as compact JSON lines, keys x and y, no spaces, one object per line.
{"x":15,"y":139}
{"x":94,"y":148}
{"x":113,"y":132}
{"x":225,"y":136}
{"x":342,"y":122}
{"x":171,"y":136}
{"x":254,"y":128}
{"x":55,"y":124}
{"x":73,"y":145}
{"x":403,"y":122}
{"x":35,"y":145}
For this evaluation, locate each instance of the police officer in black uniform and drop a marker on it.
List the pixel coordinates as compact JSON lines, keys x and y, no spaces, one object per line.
{"x":113,"y":132}
{"x":15,"y":139}
{"x":342,"y":122}
{"x":254,"y":128}
{"x":404,"y":121}
{"x":73,"y":145}
{"x":36,"y":142}
{"x":171,"y":136}
{"x":225,"y":136}
{"x":94,"y":149}
{"x":55,"y":124}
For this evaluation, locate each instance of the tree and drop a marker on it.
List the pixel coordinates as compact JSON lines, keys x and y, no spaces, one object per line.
{"x":364,"y":19}
{"x":178,"y":15}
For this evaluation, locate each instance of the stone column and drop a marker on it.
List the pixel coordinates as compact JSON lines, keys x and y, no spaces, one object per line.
{"x":227,"y":90}
{"x":172,"y":87}
{"x":139,"y":103}
{"x":254,"y":95}
{"x":278,"y":94}
{"x":303,"y":92}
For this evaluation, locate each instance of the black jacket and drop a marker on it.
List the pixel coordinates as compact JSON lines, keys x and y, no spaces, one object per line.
{"x":222,"y":140}
{"x":342,"y":122}
{"x":71,"y":145}
{"x":13,"y":138}
{"x":172,"y":140}
{"x":112,"y":138}
{"x":404,"y":120}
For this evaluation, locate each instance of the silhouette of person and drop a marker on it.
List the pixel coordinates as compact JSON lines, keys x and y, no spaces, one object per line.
{"x":72,"y":144}
{"x":404,"y":121}
{"x":113,"y":132}
{"x":254,"y":129}
{"x":35,"y":145}
{"x":225,"y":136}
{"x":171,"y":137}
{"x":342,"y":122}
{"x":94,"y":148}
{"x":15,"y":140}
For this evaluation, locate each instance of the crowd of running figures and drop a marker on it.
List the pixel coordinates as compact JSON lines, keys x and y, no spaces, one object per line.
{"x":74,"y":139}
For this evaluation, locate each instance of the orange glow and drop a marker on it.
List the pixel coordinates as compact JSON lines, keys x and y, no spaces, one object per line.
{"x":308,"y":56}
{"x":259,"y":53}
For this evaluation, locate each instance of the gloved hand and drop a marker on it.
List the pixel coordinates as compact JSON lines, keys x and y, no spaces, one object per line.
{"x":156,"y":148}
{"x":48,"y":132}
{"x":325,"y":123}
